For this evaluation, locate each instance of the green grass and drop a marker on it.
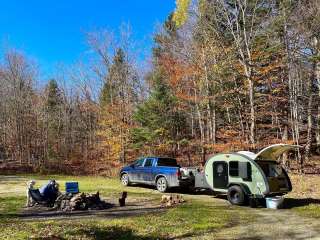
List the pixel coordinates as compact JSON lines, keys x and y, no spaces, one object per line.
{"x":9,"y":206}
{"x":311,"y":210}
{"x":106,"y":186}
{"x":190,"y":219}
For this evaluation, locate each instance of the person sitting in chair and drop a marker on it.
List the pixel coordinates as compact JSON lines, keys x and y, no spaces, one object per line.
{"x":47,"y":194}
{"x":50,"y":191}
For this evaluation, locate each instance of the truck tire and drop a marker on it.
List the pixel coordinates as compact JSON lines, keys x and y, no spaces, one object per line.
{"x":162,"y":185}
{"x":125,"y":179}
{"x":236,"y":195}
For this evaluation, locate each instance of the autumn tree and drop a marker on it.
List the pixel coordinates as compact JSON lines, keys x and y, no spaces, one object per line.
{"x":18,"y":76}
{"x":119,"y":93}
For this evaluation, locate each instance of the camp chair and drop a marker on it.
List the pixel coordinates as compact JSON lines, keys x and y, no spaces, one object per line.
{"x":46,"y":195}
{"x":37,"y":197}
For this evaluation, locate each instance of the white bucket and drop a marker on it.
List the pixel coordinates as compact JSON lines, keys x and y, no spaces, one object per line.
{"x":274,"y":202}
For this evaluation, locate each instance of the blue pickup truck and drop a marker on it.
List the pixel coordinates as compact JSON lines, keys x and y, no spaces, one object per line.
{"x":162,"y":172}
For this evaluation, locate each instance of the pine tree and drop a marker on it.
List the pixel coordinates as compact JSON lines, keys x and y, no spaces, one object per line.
{"x":160,"y":120}
{"x":54,"y":98}
{"x":165,"y":38}
{"x":53,"y":118}
{"x":116,"y":78}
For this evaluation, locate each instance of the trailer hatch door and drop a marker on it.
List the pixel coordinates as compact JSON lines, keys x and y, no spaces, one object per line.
{"x":273,"y":152}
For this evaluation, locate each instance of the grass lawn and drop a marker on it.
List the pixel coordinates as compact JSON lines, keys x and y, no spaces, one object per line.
{"x":200,"y":216}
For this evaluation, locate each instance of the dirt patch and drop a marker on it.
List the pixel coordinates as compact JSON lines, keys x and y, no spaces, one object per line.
{"x":134,"y":207}
{"x":273,"y":224}
{"x":266,"y":224}
{"x":12,"y":185}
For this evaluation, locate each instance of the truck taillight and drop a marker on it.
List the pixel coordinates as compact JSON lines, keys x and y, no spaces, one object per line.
{"x":178,"y":173}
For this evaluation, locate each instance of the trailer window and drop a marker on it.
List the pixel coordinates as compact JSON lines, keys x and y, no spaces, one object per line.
{"x":234,"y":168}
{"x":245,"y":171}
{"x":270,"y":169}
{"x":275,"y":170}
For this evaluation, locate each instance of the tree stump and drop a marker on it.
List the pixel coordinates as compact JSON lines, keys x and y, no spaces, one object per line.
{"x":122,"y":199}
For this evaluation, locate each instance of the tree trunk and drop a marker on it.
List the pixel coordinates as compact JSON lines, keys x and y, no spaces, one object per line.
{"x":214,"y":125}
{"x":285,"y":155}
{"x":309,"y":125}
{"x":317,"y":78}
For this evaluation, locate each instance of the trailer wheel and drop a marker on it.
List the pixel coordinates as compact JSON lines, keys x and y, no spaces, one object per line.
{"x":162,"y":185}
{"x":236,"y":196}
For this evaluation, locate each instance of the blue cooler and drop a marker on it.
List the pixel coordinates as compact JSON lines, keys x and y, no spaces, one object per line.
{"x":72,"y":187}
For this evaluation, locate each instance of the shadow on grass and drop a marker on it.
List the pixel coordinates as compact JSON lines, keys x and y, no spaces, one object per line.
{"x":115,"y":232}
{"x":293,"y":202}
{"x":107,"y":233}
{"x":108,"y":213}
{"x":179,"y":190}
{"x":140,"y":185}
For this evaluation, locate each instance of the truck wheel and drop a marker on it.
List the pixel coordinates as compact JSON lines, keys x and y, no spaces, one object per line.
{"x":162,"y":185}
{"x":236,"y":196}
{"x":125,"y":179}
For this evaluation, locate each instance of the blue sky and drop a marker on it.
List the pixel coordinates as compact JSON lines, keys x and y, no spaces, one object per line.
{"x":53,"y":31}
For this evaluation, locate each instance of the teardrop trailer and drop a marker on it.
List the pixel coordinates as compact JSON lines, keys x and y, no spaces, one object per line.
{"x":244,"y":175}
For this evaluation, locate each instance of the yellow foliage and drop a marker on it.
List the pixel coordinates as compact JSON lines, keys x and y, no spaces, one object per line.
{"x":181,"y":13}
{"x":114,"y":130}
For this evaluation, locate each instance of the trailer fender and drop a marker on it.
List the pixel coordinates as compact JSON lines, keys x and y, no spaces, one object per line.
{"x":243,"y":186}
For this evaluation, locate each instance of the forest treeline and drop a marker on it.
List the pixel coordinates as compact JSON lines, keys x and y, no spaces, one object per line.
{"x":225,"y":75}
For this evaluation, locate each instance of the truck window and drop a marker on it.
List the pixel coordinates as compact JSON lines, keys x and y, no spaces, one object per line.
{"x":139,"y":162}
{"x":234,"y":168}
{"x":148,"y":162}
{"x":168,"y":162}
